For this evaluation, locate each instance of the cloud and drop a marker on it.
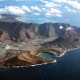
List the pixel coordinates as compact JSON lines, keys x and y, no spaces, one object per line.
{"x":3,"y":10}
{"x":11,"y":10}
{"x":15,"y":10}
{"x":61,"y":1}
{"x":50,"y":4}
{"x":37,"y":14}
{"x":36,"y":8}
{"x":44,"y":1}
{"x":50,"y":7}
{"x":53,"y":10}
{"x":58,"y":15}
{"x":25,"y":8}
{"x":73,"y":3}
{"x":44,"y":9}
{"x":70,"y":10}
{"x":51,"y":15}
{"x":48,"y":14}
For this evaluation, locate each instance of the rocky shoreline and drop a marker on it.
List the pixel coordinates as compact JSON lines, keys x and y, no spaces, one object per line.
{"x":16,"y":56}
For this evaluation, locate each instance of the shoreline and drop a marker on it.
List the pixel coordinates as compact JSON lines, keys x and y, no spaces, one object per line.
{"x":54,"y":61}
{"x":28,"y":66}
{"x":67,"y":51}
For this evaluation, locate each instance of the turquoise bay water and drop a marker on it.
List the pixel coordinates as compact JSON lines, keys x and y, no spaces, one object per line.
{"x":47,"y":55}
{"x":51,"y":55}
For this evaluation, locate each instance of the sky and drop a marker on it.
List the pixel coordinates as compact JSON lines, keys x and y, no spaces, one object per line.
{"x":41,"y":11}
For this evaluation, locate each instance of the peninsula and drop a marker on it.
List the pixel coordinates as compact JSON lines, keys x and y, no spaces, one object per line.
{"x":21,"y":44}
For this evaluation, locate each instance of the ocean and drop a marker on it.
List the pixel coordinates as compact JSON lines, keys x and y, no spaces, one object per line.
{"x":67,"y":67}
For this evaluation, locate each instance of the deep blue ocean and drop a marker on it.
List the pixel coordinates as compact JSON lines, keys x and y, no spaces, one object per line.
{"x":67,"y":67}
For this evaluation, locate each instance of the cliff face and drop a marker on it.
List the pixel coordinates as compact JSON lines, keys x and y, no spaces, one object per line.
{"x":69,"y":40}
{"x":34,"y":34}
{"x":51,"y":29}
{"x":8,"y":27}
{"x":22,"y":32}
{"x":3,"y":36}
{"x":17,"y":31}
{"x":27,"y":31}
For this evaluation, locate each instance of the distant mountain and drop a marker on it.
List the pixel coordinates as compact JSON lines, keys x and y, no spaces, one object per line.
{"x":19,"y":31}
{"x":69,"y":40}
{"x":8,"y":18}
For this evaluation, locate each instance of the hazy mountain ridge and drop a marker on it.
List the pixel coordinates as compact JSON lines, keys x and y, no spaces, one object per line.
{"x":18,"y":31}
